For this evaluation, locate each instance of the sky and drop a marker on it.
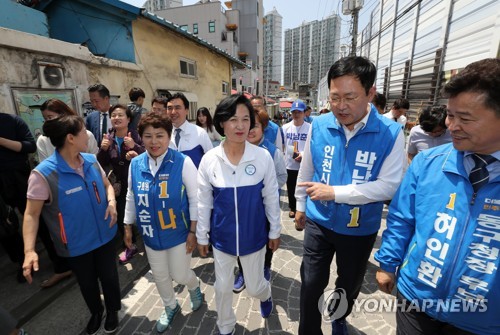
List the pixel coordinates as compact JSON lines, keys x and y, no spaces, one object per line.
{"x":294,"y":12}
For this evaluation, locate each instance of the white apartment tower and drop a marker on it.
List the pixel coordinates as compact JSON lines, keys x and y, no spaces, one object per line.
{"x":273,"y":37}
{"x":310,"y":51}
{"x":155,"y":5}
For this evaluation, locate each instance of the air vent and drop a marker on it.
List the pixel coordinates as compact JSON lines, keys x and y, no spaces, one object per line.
{"x":51,"y":75}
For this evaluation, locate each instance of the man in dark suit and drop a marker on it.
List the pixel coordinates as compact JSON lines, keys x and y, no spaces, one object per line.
{"x":98,"y":122}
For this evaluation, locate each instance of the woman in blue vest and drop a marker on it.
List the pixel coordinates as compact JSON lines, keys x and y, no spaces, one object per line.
{"x":256,"y":137}
{"x":237,"y":194}
{"x":161,"y":199}
{"x":78,"y":205}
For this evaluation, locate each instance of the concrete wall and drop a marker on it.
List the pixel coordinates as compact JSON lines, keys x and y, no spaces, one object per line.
{"x":158,"y":52}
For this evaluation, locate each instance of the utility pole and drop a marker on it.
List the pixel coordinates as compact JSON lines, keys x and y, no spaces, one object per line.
{"x":352,"y":7}
{"x":355,"y":14}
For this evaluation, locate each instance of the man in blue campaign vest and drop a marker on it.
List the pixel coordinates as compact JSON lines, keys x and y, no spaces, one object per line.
{"x":352,"y":162}
{"x":443,"y":228}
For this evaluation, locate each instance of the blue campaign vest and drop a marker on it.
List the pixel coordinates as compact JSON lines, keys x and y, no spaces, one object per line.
{"x":271,"y":132}
{"x":447,"y":241}
{"x":268,"y":146}
{"x":337,"y":162}
{"x":77,"y":206}
{"x":161,"y":203}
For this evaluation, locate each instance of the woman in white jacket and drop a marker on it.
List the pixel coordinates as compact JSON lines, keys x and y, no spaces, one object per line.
{"x":237,"y":192}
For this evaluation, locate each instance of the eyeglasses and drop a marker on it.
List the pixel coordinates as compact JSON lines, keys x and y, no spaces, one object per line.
{"x":157,"y":109}
{"x":335,"y":101}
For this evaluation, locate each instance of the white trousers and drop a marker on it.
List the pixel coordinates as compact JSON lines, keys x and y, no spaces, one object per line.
{"x":171,"y":264}
{"x":256,"y":285}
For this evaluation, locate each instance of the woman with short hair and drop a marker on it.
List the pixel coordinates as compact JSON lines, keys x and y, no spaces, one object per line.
{"x":78,"y":204}
{"x":161,"y":199}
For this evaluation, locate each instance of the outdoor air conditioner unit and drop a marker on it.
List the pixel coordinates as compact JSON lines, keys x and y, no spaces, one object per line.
{"x":51,"y":75}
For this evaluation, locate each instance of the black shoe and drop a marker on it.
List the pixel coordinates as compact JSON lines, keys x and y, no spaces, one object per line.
{"x":111,"y":323}
{"x":94,"y":323}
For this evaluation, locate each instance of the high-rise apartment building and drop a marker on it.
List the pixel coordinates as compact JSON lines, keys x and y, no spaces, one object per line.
{"x":236,"y":30}
{"x":273,"y":38}
{"x":155,"y":5}
{"x":310,"y":50}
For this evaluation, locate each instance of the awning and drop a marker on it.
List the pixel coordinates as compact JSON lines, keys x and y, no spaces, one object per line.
{"x":285,"y":104}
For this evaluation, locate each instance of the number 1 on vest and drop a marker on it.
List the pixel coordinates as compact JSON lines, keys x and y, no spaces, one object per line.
{"x":354,"y":218}
{"x":163,"y":190}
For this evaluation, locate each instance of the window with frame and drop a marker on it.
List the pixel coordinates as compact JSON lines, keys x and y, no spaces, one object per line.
{"x":195,"y":28}
{"x":188,"y":68}
{"x":211,"y":27}
{"x":193,"y":107}
{"x":225,"y":87}
{"x":184,"y":27}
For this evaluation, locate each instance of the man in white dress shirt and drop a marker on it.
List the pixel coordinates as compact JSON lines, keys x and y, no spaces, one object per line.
{"x":187,"y":138}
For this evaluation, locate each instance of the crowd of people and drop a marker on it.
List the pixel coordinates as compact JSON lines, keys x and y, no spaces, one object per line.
{"x":124,"y":174}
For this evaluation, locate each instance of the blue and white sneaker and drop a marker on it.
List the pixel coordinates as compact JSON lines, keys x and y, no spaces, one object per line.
{"x":266,"y":307}
{"x":166,"y":318}
{"x":267,"y":273}
{"x":196,"y":297}
{"x":239,"y":282}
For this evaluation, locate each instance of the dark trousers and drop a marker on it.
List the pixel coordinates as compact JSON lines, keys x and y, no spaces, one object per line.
{"x":13,"y":188}
{"x":320,"y":245}
{"x":59,"y":263}
{"x":412,"y":322}
{"x":92,"y":267}
{"x":291,"y":182}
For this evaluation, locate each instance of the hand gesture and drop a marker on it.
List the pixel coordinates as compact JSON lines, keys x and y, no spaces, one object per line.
{"x":129,"y":141}
{"x":131,"y":154}
{"x":318,"y":191}
{"x":106,"y":142}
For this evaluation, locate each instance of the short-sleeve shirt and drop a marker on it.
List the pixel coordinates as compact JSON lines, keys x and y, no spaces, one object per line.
{"x":419,"y":140}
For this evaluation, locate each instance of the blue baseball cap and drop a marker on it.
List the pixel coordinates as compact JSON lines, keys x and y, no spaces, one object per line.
{"x":298,"y":105}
